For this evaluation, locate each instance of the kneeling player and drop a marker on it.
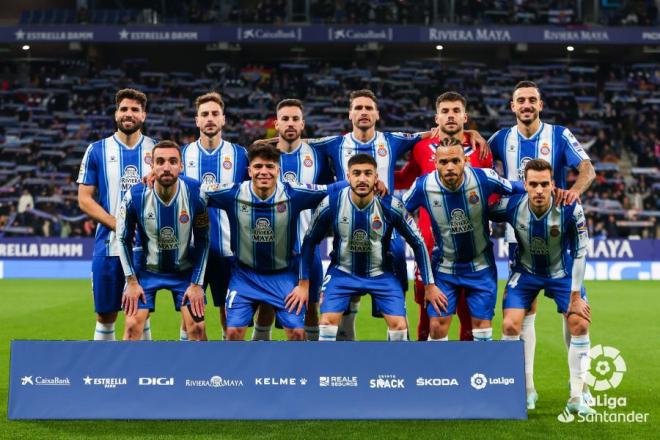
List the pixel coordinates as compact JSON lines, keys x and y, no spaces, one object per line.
{"x":168,"y":217}
{"x":362,"y":225}
{"x":263,"y":214}
{"x":552,"y":245}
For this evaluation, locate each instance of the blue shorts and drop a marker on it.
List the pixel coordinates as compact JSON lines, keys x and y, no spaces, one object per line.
{"x":480,"y":289}
{"x":151,"y":282}
{"x":339,"y":287}
{"x":248,"y":288}
{"x":218,"y":273}
{"x":107,"y":284}
{"x":522,"y":288}
{"x":315,"y":277}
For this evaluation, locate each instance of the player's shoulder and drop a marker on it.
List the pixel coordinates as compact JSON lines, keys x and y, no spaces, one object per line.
{"x":211,"y":188}
{"x":148,"y":142}
{"x":295,"y":186}
{"x":138,"y":190}
{"x":499,"y":135}
{"x":190,"y":183}
{"x":392,"y":203}
{"x":325,"y":140}
{"x":400,"y":135}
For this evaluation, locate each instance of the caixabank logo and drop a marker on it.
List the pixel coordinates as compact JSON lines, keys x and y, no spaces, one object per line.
{"x":606,"y":372}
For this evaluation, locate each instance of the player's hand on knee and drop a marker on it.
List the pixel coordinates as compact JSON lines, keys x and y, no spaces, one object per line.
{"x":132,"y":295}
{"x":434,"y":296}
{"x":578,"y":306}
{"x":297,"y":298}
{"x":195,"y":294}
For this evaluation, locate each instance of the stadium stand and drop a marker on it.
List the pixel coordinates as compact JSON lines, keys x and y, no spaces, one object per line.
{"x":49,"y":117}
{"x":464,"y":12}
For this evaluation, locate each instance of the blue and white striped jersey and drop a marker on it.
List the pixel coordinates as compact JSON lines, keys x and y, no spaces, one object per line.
{"x":460,"y":218}
{"x":264,"y":232}
{"x":225,"y":164}
{"x":554,"y":143}
{"x":167,"y":231}
{"x":308,"y":166}
{"x":362,"y":237}
{"x":385,"y":147}
{"x":113,"y":168}
{"x":553,"y":245}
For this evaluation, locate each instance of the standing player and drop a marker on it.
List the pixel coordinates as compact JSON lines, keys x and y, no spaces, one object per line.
{"x":450,"y":116}
{"x":169,"y":217}
{"x":362,"y":225}
{"x":109,"y":169}
{"x":211,"y":159}
{"x":298,"y":163}
{"x":552,"y":247}
{"x":263,"y":214}
{"x":386,"y":148}
{"x":532,"y":139}
{"x":456,"y":197}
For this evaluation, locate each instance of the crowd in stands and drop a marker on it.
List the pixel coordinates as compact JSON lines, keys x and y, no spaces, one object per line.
{"x":48,"y":118}
{"x":405,"y":12}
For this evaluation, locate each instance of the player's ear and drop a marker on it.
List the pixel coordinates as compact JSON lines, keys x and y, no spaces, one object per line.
{"x":540,"y":105}
{"x":511,"y":105}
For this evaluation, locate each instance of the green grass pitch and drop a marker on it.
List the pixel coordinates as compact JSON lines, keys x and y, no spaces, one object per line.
{"x":626,"y":316}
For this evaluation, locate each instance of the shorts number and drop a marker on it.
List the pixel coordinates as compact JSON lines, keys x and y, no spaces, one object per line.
{"x":513,"y":281}
{"x":231,"y":294}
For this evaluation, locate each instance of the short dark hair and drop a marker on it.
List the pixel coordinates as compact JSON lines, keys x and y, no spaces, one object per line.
{"x":289,"y":102}
{"x":362,"y":93}
{"x":538,"y":165}
{"x":449,"y":142}
{"x":526,"y":84}
{"x":209,"y":97}
{"x":263,"y":151}
{"x":450,"y":97}
{"x":362,"y":158}
{"x":165,"y":144}
{"x":133,"y":94}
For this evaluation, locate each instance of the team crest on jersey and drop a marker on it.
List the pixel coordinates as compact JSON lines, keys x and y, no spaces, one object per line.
{"x":226,"y":164}
{"x":538,"y":246}
{"x":262,"y":232}
{"x":473,"y":198}
{"x":184,"y":217}
{"x":554,"y":231}
{"x":289,"y":176}
{"x":382,"y":151}
{"x":376,"y":224}
{"x":360,"y":241}
{"x":545,"y":149}
{"x":147,"y":158}
{"x":281,"y":208}
{"x":459,"y":222}
{"x":308,"y":162}
{"x":129,"y":178}
{"x":208,"y":178}
{"x":167,"y":239}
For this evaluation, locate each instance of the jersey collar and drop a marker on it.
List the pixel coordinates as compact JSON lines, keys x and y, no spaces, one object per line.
{"x":123,"y":145}
{"x":210,"y":152}
{"x":532,"y":137}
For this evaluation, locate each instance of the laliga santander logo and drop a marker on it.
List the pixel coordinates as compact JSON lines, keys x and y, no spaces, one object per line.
{"x":607,"y":368}
{"x":478,"y":381}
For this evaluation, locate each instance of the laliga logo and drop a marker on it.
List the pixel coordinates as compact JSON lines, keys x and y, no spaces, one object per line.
{"x":478,"y":381}
{"x":607,"y":368}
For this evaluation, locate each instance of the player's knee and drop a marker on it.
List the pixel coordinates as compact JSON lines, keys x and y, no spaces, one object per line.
{"x":510,"y":327}
{"x":132,"y":331}
{"x":296,"y":334}
{"x":235,"y":334}
{"x":196,"y":331}
{"x":399,"y":324}
{"x":106,"y":318}
{"x":578,"y":325}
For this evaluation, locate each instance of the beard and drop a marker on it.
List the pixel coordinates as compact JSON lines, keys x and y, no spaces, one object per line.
{"x":137,"y":125}
{"x":210,"y":133}
{"x":451,"y":132}
{"x":534,"y":117}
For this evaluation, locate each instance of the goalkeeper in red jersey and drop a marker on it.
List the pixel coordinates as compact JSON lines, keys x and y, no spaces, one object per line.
{"x":450,"y":116}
